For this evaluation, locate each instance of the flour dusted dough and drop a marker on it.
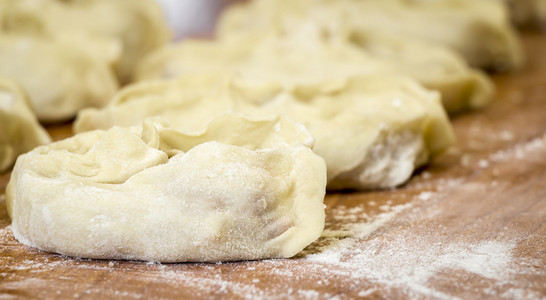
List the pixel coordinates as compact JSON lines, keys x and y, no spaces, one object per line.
{"x":310,"y":52}
{"x":479,"y":30}
{"x":19,"y":129}
{"x":241,"y":189}
{"x":59,"y":76}
{"x":372,"y":131}
{"x":136,"y":26}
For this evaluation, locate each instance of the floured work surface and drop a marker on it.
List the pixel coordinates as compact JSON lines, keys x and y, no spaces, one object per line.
{"x":473,"y":225}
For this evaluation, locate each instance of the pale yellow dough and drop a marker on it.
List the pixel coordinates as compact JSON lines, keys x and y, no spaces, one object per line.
{"x":372,"y":131}
{"x":479,"y":30}
{"x":310,"y":52}
{"x":19,"y":130}
{"x":238,"y":189}
{"x":135,"y":27}
{"x":59,"y":74}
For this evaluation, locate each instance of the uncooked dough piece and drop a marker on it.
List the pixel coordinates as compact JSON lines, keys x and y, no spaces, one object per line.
{"x":59,"y":76}
{"x":478,"y":30}
{"x":137,"y":26}
{"x":372,"y":131}
{"x":307,"y":52}
{"x":19,"y":130}
{"x":241,"y":189}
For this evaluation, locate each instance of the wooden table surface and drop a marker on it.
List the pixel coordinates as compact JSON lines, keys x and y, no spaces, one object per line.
{"x":471,"y":225}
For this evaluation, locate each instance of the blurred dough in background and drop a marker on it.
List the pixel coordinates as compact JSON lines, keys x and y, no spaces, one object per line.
{"x":372,"y":131}
{"x":479,"y":30}
{"x":60,"y":75}
{"x":138,"y":26}
{"x":19,"y":130}
{"x":66,"y":53}
{"x":310,"y":51}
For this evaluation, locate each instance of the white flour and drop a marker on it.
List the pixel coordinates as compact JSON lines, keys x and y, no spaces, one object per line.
{"x":519,"y":151}
{"x":410,"y":263}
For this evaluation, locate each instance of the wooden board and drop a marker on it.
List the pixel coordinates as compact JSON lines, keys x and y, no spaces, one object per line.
{"x":472,"y":225}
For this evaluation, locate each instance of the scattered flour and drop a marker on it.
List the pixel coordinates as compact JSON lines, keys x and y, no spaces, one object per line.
{"x":519,"y":151}
{"x":425,"y":196}
{"x":366,"y":293}
{"x":506,"y":135}
{"x":410,"y":263}
{"x":483,"y":163}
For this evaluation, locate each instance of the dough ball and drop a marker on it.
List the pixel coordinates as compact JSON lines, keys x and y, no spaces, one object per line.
{"x":239,"y":189}
{"x":135,"y":27}
{"x":60,"y":76}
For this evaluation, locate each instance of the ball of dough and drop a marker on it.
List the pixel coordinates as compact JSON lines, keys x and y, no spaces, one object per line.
{"x":372,"y":131}
{"x":241,"y":189}
{"x":137,"y":27}
{"x":19,"y":130}
{"x":60,"y":75}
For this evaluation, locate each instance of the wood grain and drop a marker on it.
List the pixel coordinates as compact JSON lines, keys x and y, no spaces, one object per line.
{"x":471,"y":225}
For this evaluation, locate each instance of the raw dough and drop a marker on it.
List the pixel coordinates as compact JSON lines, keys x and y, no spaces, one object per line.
{"x":478,"y":30}
{"x":307,"y":52}
{"x":19,"y":130}
{"x":136,"y":26}
{"x":59,"y":75}
{"x":373,"y":131}
{"x":241,"y":189}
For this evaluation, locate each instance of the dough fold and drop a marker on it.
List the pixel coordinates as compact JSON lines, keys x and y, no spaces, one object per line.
{"x":239,"y":189}
{"x":19,"y":130}
{"x":372,"y":131}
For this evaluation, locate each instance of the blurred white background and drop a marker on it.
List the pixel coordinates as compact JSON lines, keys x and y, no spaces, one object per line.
{"x":192,"y":18}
